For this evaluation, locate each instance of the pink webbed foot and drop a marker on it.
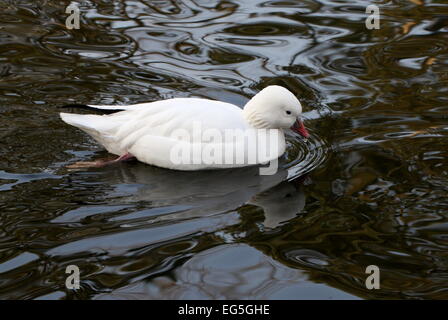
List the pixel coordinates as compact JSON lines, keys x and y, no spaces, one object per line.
{"x":100,"y":163}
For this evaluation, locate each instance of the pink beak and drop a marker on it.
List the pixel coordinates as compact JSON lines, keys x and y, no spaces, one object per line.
{"x":300,"y":129}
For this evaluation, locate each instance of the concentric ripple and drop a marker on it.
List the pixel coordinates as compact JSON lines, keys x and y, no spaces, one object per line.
{"x":304,"y":156}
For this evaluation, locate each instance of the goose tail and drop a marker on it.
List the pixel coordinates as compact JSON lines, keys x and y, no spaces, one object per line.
{"x":83,"y":121}
{"x":99,"y":127}
{"x":102,"y":109}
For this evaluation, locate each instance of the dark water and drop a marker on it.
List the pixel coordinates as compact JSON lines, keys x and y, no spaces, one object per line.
{"x":369,"y":188}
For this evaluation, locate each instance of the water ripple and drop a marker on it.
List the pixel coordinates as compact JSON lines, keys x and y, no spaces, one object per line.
{"x":368,"y":187}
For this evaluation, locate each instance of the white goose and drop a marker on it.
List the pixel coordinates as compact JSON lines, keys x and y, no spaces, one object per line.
{"x":151,"y":131}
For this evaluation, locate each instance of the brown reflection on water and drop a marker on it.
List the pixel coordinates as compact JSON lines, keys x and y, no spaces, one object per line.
{"x":375,"y":190}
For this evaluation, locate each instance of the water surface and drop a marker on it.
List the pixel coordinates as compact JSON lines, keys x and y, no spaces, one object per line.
{"x":369,"y":188}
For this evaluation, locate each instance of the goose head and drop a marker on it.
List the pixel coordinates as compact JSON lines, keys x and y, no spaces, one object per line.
{"x":275,"y":107}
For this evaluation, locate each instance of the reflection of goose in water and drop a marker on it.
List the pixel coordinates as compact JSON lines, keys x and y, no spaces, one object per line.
{"x":158,"y":205}
{"x":181,"y":195}
{"x":280,"y":203}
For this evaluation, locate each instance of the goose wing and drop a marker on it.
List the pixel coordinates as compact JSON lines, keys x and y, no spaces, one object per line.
{"x":156,"y":121}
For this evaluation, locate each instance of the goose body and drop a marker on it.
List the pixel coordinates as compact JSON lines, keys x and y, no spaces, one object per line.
{"x":151,"y":132}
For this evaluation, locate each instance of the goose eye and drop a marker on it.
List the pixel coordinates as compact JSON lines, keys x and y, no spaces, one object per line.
{"x":288,"y":112}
